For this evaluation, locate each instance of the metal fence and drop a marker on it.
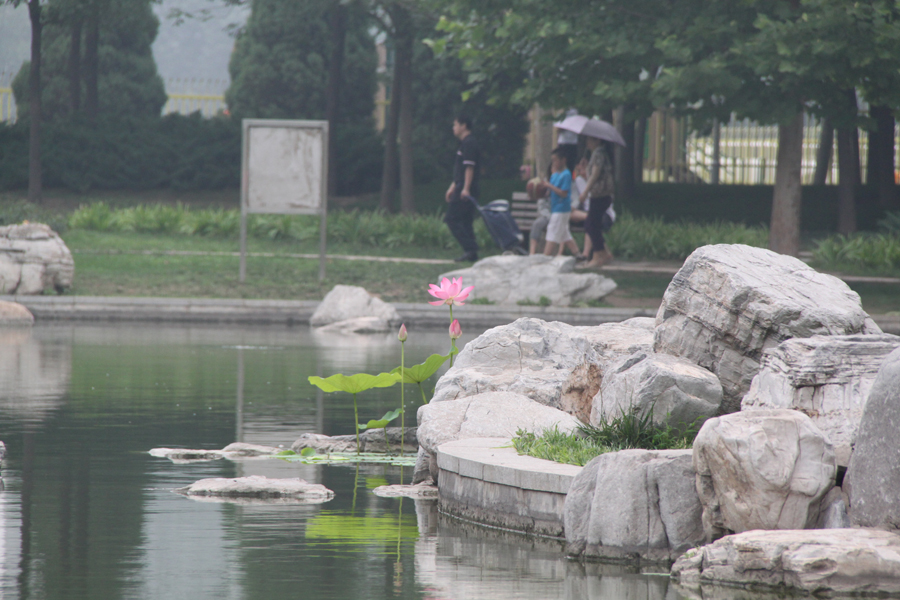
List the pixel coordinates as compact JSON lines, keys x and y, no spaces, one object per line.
{"x":185,"y":96}
{"x":7,"y":102}
{"x":747,"y":152}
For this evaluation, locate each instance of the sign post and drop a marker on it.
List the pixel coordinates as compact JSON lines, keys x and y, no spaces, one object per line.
{"x":284,"y":170}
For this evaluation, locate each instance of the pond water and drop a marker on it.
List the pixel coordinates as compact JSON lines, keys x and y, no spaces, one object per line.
{"x":87,"y":513}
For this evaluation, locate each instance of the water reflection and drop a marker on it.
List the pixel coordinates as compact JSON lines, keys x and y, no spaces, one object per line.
{"x":88,"y":513}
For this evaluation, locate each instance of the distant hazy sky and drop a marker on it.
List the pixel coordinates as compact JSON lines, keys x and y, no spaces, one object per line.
{"x":196,"y":49}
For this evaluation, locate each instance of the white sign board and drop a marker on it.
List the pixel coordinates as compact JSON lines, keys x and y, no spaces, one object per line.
{"x":285,"y":166}
{"x":284,"y":171}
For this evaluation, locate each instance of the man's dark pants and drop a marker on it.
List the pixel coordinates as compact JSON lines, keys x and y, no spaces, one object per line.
{"x":459,"y":218}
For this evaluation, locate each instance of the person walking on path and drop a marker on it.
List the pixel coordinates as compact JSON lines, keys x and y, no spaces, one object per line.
{"x":463,"y":191}
{"x":560,"y":186}
{"x":601,"y":186}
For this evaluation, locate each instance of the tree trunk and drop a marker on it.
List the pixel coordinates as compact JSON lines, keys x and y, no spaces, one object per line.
{"x":389,"y":168}
{"x":784,"y":231}
{"x":624,"y":156}
{"x":880,"y":173}
{"x":848,"y":178}
{"x":715,"y":171}
{"x":34,"y":104}
{"x":640,"y":131}
{"x":823,"y":153}
{"x":75,"y":66}
{"x":91,"y":66}
{"x":338,"y":26}
{"x":405,"y":36}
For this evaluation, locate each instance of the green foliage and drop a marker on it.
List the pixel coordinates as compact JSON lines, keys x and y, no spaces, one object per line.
{"x":636,"y":429}
{"x":383,"y":421}
{"x":870,"y":252}
{"x":13,"y":212}
{"x":891,"y":223}
{"x":127,"y":81}
{"x":652,"y":238}
{"x":559,"y":447}
{"x":176,"y":152}
{"x":542,"y":301}
{"x":376,"y":228}
{"x":354,"y":384}
{"x":422,"y":371}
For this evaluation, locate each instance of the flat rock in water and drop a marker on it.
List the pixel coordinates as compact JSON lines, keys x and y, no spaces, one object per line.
{"x":258,"y":486}
{"x":762,"y":469}
{"x":728,"y":303}
{"x":873,"y":477}
{"x":358,"y":325}
{"x":555,"y":364}
{"x":235,"y":450}
{"x":508,"y":280}
{"x":827,"y":378}
{"x":372,"y":440}
{"x":345,"y":302}
{"x":826,"y":563}
{"x":420,"y":491}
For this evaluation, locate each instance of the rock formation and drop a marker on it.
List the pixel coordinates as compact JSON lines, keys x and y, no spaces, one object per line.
{"x":351,"y":308}
{"x":33,"y":258}
{"x":508,"y":280}
{"x":827,"y":378}
{"x":728,"y":303}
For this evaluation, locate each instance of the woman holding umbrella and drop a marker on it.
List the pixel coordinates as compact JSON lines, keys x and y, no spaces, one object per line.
{"x":601,"y":185}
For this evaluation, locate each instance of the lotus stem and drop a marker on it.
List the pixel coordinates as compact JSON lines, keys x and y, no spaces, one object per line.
{"x":356,"y":423}
{"x":402,"y":399}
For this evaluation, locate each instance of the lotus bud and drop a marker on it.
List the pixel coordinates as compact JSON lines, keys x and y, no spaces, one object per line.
{"x":402,"y":335}
{"x":455,"y":330}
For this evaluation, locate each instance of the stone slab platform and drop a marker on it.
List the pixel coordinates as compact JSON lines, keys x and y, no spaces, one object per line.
{"x":486,"y":481}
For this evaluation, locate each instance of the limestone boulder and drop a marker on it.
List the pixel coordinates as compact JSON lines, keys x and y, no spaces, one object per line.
{"x":353,"y":303}
{"x":634,"y":504}
{"x":674,"y":390}
{"x":824,"y":563}
{"x":555,"y":364}
{"x":33,"y":258}
{"x":762,"y":469}
{"x":873,"y":477}
{"x":508,"y":280}
{"x":729,"y":303}
{"x":487,"y":415}
{"x":827,"y":378}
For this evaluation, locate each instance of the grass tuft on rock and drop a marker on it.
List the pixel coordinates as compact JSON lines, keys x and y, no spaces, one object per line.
{"x":630,"y":430}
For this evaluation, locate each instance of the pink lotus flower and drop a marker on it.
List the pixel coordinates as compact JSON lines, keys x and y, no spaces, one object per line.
{"x":450,"y":292}
{"x":402,"y":334}
{"x":455,"y":330}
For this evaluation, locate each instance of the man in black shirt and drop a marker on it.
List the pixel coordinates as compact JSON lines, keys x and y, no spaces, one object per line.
{"x":464,"y":191}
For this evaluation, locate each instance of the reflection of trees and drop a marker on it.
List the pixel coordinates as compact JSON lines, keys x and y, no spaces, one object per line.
{"x":35,"y":369}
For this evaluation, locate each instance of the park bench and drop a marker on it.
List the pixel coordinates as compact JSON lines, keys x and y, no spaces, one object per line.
{"x":524,"y":212}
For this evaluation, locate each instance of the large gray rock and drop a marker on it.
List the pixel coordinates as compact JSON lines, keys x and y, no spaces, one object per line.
{"x":678,"y":392}
{"x":508,"y":280}
{"x":33,"y":258}
{"x":873,"y":477}
{"x":634,"y":504}
{"x":345,"y":302}
{"x":728,"y":303}
{"x":488,"y":415}
{"x":555,"y":364}
{"x":762,"y":469}
{"x":824,"y":563}
{"x":827,"y":378}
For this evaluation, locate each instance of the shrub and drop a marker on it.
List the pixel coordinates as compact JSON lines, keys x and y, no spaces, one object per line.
{"x":874,"y":252}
